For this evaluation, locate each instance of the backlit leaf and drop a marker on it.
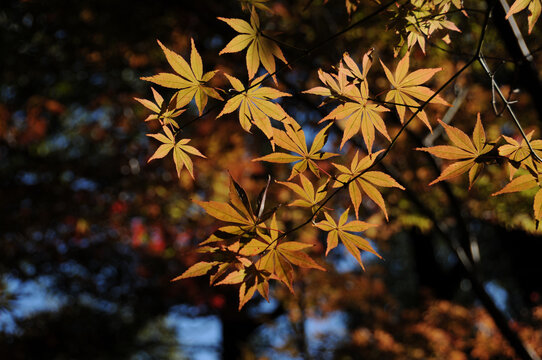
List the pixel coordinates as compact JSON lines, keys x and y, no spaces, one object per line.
{"x":293,"y":139}
{"x":469,"y":153}
{"x":260,"y":48}
{"x":190,"y":79}
{"x":198,"y":269}
{"x":406,"y":87}
{"x":343,"y":230}
{"x":255,"y":106}
{"x":365,"y":181}
{"x":534,"y":7}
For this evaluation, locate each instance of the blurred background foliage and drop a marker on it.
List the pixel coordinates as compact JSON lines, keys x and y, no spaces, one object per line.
{"x":90,"y":234}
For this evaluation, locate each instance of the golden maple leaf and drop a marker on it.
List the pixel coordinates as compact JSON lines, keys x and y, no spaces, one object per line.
{"x":343,"y":230}
{"x":255,"y":105}
{"x":191,"y":81}
{"x":180,"y":150}
{"x":293,"y":139}
{"x":405,"y":88}
{"x":260,"y":49}
{"x":470,"y":155}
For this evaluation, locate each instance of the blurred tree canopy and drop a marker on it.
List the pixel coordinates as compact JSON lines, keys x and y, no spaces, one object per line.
{"x":91,"y":234}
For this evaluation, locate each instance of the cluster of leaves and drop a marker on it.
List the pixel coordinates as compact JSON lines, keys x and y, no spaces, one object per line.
{"x":252,"y":249}
{"x":417,"y":20}
{"x":471,"y":156}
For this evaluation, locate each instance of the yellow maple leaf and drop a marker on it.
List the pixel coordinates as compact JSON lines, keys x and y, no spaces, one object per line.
{"x":163,"y":112}
{"x":180,"y":150}
{"x":519,"y":154}
{"x":361,"y":114}
{"x":255,"y":105}
{"x":343,"y":230}
{"x":407,"y":87}
{"x":366,"y":182}
{"x":191,"y":81}
{"x":293,"y":139}
{"x":469,"y":154}
{"x":260,"y":48}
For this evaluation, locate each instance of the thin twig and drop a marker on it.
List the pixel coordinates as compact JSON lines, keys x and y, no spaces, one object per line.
{"x":508,"y":107}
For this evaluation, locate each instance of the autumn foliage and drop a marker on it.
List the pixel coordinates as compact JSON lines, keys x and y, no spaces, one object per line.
{"x":251,"y":247}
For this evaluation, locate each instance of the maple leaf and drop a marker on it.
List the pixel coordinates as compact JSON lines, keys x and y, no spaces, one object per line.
{"x":251,"y":279}
{"x":246,"y":220}
{"x":293,"y":139}
{"x":361,"y":115}
{"x":180,"y":151}
{"x":337,"y":85}
{"x":191,"y":81}
{"x":254,"y":280}
{"x":282,"y":254}
{"x":365,"y":181}
{"x":198,"y":269}
{"x":352,"y":69}
{"x":343,"y":230}
{"x":526,"y":182}
{"x":406,"y":88}
{"x":163,"y":112}
{"x":468,"y":154}
{"x":255,"y":105}
{"x":519,"y":154}
{"x":309,"y":197}
{"x":534,"y":7}
{"x":260,"y":48}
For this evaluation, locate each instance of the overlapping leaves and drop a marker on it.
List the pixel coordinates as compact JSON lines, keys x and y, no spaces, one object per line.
{"x":249,"y":252}
{"x":163,"y":112}
{"x":309,"y":196}
{"x":534,"y":7}
{"x":519,"y":154}
{"x":350,"y":87}
{"x":417,"y":20}
{"x":361,"y":114}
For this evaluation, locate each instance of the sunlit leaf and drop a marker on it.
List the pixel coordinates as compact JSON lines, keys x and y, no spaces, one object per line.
{"x":260,"y":48}
{"x":293,"y":139}
{"x":198,"y":269}
{"x":365,"y":181}
{"x":309,"y":197}
{"x":534,"y":7}
{"x":470,"y":154}
{"x":343,"y":230}
{"x":407,"y":87}
{"x":181,"y":149}
{"x":255,"y":106}
{"x":190,"y":81}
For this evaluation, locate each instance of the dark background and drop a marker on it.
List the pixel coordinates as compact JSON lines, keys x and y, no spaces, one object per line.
{"x":90,"y":234}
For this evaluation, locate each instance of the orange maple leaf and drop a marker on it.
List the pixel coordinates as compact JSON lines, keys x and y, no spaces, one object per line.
{"x":468,"y":154}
